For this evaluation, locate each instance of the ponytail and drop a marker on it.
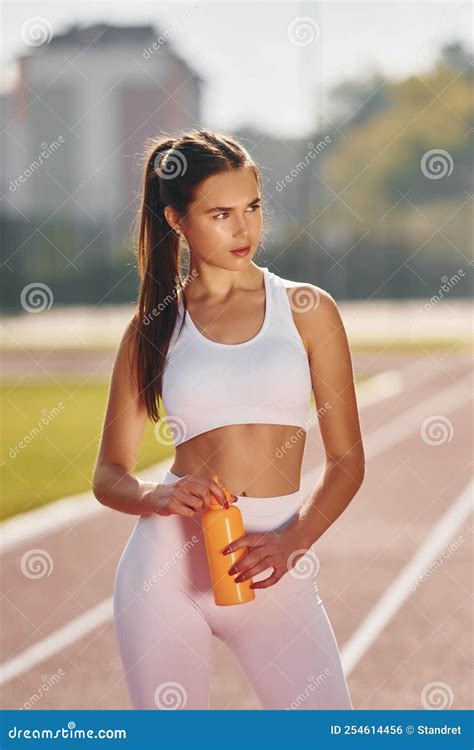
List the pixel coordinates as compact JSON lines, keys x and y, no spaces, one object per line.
{"x":158,"y":267}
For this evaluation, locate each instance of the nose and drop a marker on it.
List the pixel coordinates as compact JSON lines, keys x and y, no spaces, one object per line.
{"x":241,"y":227}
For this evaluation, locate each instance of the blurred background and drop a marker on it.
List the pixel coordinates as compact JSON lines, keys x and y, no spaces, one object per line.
{"x":360,"y":117}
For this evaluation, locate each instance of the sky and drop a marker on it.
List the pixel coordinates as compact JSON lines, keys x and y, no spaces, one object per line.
{"x":270,"y":64}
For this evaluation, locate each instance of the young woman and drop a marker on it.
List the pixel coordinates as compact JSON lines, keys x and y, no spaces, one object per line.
{"x":235,"y":353}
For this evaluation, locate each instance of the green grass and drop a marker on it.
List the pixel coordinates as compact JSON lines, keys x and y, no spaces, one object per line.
{"x":59,"y":459}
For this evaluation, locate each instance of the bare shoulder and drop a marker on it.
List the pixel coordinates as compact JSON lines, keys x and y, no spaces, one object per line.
{"x":315,"y":312}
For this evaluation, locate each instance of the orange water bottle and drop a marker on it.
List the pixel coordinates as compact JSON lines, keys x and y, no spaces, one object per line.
{"x":221,"y":526}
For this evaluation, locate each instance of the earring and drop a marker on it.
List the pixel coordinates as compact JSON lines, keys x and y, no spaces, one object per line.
{"x":178,"y":232}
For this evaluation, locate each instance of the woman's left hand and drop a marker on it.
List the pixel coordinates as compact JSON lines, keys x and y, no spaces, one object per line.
{"x":280,"y":550}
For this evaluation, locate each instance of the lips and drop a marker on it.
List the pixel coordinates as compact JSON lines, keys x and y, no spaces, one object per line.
{"x":241,"y":251}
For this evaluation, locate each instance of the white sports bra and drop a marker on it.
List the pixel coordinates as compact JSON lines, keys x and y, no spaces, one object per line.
{"x":208,"y":384}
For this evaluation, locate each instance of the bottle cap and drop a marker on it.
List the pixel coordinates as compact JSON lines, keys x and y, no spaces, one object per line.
{"x":228,"y":495}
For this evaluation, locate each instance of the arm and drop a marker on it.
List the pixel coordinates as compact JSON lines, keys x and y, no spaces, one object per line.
{"x":113,"y":483}
{"x":333,"y":383}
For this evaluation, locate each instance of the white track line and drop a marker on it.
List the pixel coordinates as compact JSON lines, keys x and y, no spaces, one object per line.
{"x":58,"y":640}
{"x":71,"y":510}
{"x":399,"y":591}
{"x":401,"y":427}
{"x":381,"y":386}
{"x":47,"y":519}
{"x":449,"y":399}
{"x":62,"y":513}
{"x":89,"y":621}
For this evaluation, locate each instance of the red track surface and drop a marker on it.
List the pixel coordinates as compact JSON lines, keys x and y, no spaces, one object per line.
{"x":407,"y":489}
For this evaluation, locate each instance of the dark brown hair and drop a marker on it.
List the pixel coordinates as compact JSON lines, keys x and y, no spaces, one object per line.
{"x":173,"y":168}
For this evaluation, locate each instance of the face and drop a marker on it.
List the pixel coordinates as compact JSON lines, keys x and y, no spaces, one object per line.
{"x":225,"y":214}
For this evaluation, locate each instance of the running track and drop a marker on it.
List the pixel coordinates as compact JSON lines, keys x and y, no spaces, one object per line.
{"x":402,"y":648}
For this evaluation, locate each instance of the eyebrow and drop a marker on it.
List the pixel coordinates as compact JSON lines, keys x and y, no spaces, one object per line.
{"x":229,"y":208}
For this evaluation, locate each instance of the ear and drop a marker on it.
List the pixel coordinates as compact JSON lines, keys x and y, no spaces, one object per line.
{"x":172,"y":217}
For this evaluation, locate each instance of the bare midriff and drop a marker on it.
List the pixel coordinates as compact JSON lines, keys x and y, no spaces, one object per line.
{"x":256,"y":460}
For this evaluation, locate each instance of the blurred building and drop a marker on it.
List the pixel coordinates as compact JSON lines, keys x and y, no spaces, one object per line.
{"x":77,"y":119}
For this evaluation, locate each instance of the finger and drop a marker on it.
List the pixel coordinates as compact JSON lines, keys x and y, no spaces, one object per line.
{"x":180,"y":510}
{"x":200,"y":492}
{"x":199,"y":497}
{"x":247,"y":540}
{"x":216,"y":480}
{"x":245,"y":562}
{"x":208,"y":491}
{"x":183,"y":497}
{"x":274,"y":578}
{"x":258,"y":568}
{"x":194,"y":502}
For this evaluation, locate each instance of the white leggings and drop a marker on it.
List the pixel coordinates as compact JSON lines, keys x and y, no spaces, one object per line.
{"x":165,"y":617}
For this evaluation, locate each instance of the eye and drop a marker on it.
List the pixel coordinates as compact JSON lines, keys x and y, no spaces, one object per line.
{"x":225,"y":213}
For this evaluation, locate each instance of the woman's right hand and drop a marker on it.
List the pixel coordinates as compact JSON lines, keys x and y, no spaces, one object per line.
{"x":188,"y":495}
